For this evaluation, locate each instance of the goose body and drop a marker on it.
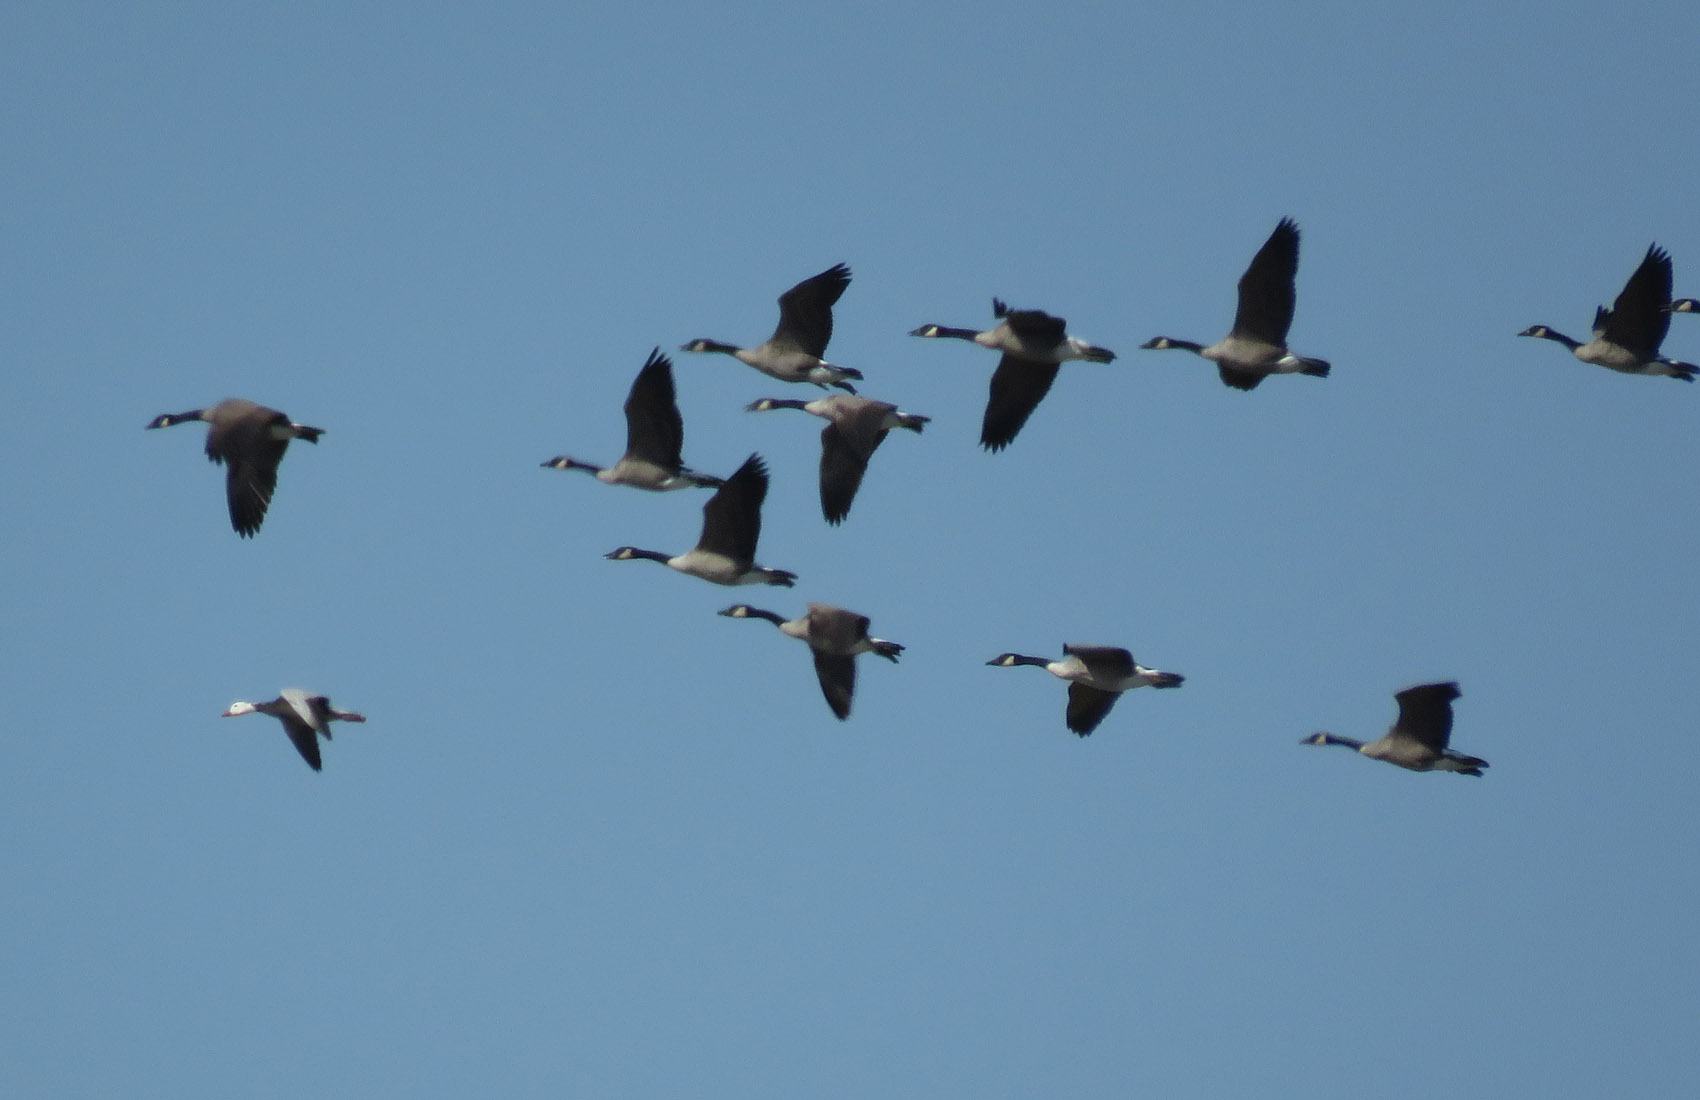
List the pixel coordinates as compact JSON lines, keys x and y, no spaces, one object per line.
{"x":731,"y":525}
{"x":855,"y":428}
{"x":249,"y":441}
{"x":305,"y":718}
{"x":835,"y":636}
{"x":795,"y":351}
{"x":655,"y":436}
{"x":1034,"y":344}
{"x":1627,"y":336}
{"x":1097,"y":676}
{"x":1418,"y":741}
{"x":1256,"y":346}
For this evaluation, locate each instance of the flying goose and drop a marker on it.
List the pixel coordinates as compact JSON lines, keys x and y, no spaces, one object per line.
{"x":1684,"y":305}
{"x":1627,"y":336}
{"x":836,"y":636}
{"x":856,"y":426}
{"x":1097,"y":675}
{"x":655,"y":433}
{"x":1256,"y":346}
{"x":303,"y":716}
{"x":1034,"y":345}
{"x":794,"y":352}
{"x":1418,"y":739}
{"x":731,"y":525}
{"x":249,"y":440}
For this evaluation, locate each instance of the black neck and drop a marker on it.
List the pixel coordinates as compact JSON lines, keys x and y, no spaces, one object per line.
{"x":166,"y":420}
{"x":1170,"y":342}
{"x":942,"y":332}
{"x":1558,"y":337}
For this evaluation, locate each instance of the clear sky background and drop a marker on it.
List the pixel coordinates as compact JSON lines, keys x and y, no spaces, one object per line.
{"x":596,"y":840}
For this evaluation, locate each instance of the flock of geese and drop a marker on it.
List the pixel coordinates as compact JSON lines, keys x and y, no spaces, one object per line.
{"x":249,"y":440}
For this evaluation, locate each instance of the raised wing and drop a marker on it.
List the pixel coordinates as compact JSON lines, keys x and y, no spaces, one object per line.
{"x":731,"y":520}
{"x":1266,"y":289}
{"x":1425,"y":713}
{"x":805,"y":311}
{"x":654,"y":429}
{"x":1639,"y":318}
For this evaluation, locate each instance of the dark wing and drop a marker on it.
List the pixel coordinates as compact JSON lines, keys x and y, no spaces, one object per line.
{"x":1087,"y":707}
{"x":1240,"y":379}
{"x":805,"y":311}
{"x":1425,"y":714}
{"x":842,"y":464}
{"x":239,"y":437}
{"x":654,"y":428}
{"x":1266,"y":288}
{"x":1103,"y":661}
{"x":837,"y":675}
{"x":731,"y":520}
{"x":1035,"y":327}
{"x":1018,"y":385}
{"x":304,"y":738}
{"x":1638,"y":319}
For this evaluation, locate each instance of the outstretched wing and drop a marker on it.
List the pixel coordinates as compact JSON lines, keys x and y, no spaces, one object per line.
{"x":1639,"y":319}
{"x":654,"y":429}
{"x":1087,"y":707}
{"x":731,"y":520}
{"x":1266,"y":289}
{"x":1018,"y":385}
{"x":1425,"y":714}
{"x":805,"y":311}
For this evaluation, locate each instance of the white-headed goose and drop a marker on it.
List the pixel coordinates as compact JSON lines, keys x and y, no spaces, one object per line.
{"x":836,"y":636}
{"x":856,"y":426}
{"x":1256,"y":346}
{"x":655,"y":434}
{"x":305,"y":718}
{"x":1419,"y":738}
{"x":1034,"y":345}
{"x":731,"y":525}
{"x":794,"y":352}
{"x":1097,"y":675}
{"x":1627,"y":336}
{"x":249,"y":440}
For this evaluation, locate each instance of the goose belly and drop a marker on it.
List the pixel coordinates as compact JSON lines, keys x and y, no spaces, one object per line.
{"x":716,"y":568}
{"x":1245,"y":355}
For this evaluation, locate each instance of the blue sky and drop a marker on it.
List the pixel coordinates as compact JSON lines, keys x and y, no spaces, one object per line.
{"x":596,"y":840}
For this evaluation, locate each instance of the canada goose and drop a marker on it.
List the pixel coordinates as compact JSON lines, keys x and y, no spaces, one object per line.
{"x":655,"y":432}
{"x":793,"y":353}
{"x":249,"y":440}
{"x":1418,"y":739}
{"x":1097,"y":674}
{"x":836,"y":636}
{"x":731,"y":523}
{"x":1627,"y":336}
{"x":303,"y":716}
{"x":1256,"y":346}
{"x":1684,"y":305}
{"x":1034,"y":345}
{"x":856,"y":426}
